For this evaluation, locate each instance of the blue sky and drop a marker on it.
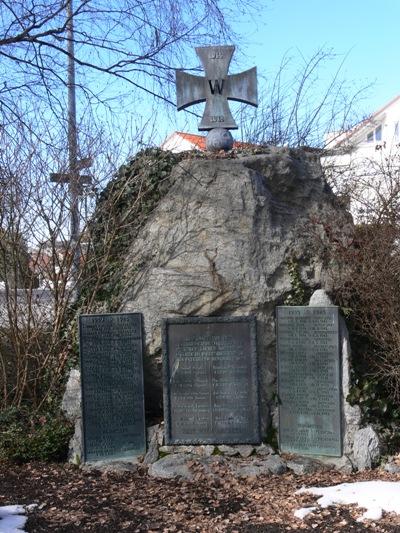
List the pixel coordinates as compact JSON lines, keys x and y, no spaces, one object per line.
{"x":362,"y":33}
{"x":366,"y":31}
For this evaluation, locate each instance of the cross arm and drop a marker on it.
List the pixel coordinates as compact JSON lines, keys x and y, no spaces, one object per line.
{"x":242,"y":87}
{"x":189,"y":90}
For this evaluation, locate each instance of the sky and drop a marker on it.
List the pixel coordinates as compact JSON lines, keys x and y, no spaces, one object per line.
{"x":364,"y":35}
{"x":366,"y":31}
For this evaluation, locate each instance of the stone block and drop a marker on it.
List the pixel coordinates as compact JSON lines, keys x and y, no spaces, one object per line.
{"x":172,"y":466}
{"x":366,"y":448}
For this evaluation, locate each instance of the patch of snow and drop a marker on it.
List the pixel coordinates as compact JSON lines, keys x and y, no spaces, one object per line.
{"x":374,"y":496}
{"x":303,"y":512}
{"x":373,"y":513}
{"x":13,"y":519}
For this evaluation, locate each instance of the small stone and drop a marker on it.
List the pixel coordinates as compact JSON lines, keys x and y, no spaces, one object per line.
{"x":174,"y":449}
{"x":161,"y":434}
{"x":264,"y":449}
{"x":172,"y":466}
{"x":208,"y":464}
{"x":152,"y":450}
{"x":320,"y":298}
{"x":228,"y":450}
{"x":272,"y":465}
{"x":275,"y":465}
{"x":71,"y":402}
{"x":392,"y":468}
{"x":305,"y":465}
{"x":247,"y":470}
{"x":202,"y":450}
{"x":208,"y":450}
{"x":245,"y":450}
{"x":113,"y":466}
{"x":75,"y":452}
{"x":152,"y":430}
{"x":366,"y":448}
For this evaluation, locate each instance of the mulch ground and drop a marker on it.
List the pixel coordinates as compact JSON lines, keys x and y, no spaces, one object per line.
{"x":72,"y":500}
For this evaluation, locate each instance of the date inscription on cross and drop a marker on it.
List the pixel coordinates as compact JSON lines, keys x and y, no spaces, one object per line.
{"x":216,"y":88}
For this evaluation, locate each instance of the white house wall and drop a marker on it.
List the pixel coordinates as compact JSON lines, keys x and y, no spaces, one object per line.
{"x":367,"y":172}
{"x":175,"y":143}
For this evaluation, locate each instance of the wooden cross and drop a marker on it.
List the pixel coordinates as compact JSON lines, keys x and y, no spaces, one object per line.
{"x":216,"y":88}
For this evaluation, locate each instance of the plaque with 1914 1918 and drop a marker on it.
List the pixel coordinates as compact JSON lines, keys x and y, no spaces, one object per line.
{"x":309,"y":380}
{"x":211,"y":380}
{"x":112,"y":386}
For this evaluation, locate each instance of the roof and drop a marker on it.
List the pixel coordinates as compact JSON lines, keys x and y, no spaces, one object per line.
{"x":345,"y":136}
{"x":199,"y":141}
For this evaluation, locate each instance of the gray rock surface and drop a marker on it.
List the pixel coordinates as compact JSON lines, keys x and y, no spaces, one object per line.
{"x":185,"y":465}
{"x":366,"y":448}
{"x":71,"y":402}
{"x":245,"y":450}
{"x":156,"y":431}
{"x":320,"y":298}
{"x":155,"y":437}
{"x":351,"y":414}
{"x":305,"y":465}
{"x":257,"y":467}
{"x":75,"y":451}
{"x":392,"y":468}
{"x":219,"y":241}
{"x":202,"y":450}
{"x":275,"y":464}
{"x":112,"y":466}
{"x":227,"y":450}
{"x":264,"y":449}
{"x":172,"y":466}
{"x":71,"y":405}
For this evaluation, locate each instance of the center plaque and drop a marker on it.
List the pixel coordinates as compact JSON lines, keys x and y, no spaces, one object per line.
{"x":211,"y":380}
{"x":112,"y":386}
{"x":309,"y":384}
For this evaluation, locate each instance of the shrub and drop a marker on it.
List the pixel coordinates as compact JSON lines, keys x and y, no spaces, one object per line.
{"x":27,"y":436}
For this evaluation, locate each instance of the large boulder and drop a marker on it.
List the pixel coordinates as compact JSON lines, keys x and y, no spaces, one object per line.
{"x":220,"y":242}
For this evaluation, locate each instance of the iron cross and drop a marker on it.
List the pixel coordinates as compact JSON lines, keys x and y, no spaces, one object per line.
{"x":216,"y":88}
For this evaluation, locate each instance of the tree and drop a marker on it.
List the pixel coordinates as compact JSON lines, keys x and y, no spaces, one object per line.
{"x":121,"y":47}
{"x":299,"y":108}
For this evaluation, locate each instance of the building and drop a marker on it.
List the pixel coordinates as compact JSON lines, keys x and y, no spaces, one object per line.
{"x":51,"y":264}
{"x":179,"y":141}
{"x":363,"y":163}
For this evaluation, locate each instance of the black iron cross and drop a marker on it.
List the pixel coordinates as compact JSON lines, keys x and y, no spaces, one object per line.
{"x":216,"y":88}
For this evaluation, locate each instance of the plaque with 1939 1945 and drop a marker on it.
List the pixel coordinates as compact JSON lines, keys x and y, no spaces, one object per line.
{"x":112,"y":386}
{"x":210,"y":380}
{"x":309,"y":380}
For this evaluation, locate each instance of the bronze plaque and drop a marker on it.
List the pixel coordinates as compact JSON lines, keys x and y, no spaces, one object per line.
{"x":211,"y":380}
{"x":309,"y":384}
{"x":112,"y":386}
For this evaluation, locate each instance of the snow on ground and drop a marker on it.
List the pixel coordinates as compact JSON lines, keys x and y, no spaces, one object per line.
{"x":13,"y":519}
{"x":374,"y":496}
{"x":303,"y":512}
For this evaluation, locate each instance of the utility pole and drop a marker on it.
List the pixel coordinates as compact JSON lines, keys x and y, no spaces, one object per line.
{"x":74,"y":180}
{"x":73,"y":145}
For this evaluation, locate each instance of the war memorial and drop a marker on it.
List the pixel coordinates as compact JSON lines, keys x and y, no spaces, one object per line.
{"x":207,"y":304}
